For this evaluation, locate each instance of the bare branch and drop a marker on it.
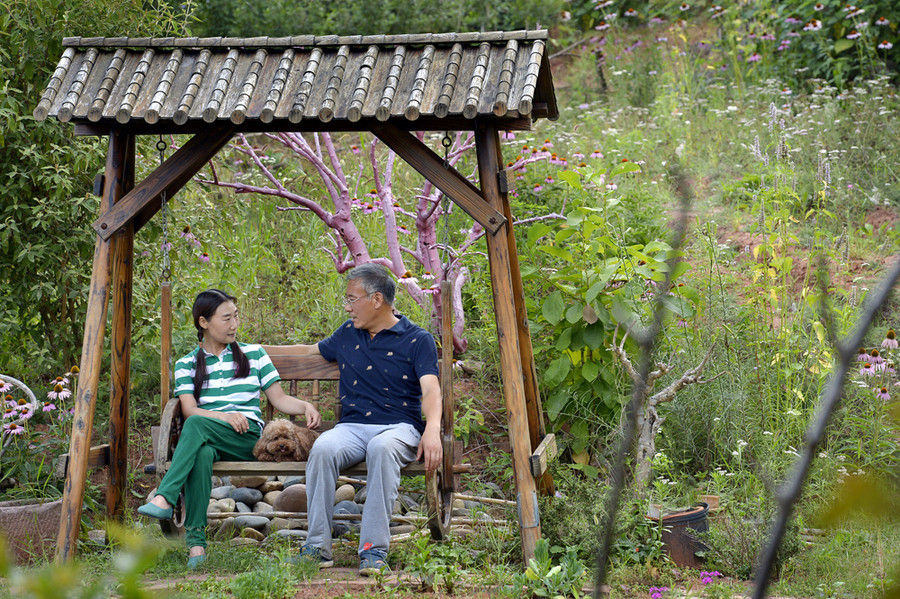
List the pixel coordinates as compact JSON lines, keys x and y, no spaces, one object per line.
{"x":790,"y":491}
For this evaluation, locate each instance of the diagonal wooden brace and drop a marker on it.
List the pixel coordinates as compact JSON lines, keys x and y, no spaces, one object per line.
{"x":141,"y":203}
{"x":431,"y":166}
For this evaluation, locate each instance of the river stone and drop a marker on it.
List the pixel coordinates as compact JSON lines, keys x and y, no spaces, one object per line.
{"x":348,"y":507}
{"x":246,"y":495}
{"x":292,"y":499}
{"x":242,"y":508}
{"x":461,"y":512}
{"x":339,"y":529}
{"x":398,"y":507}
{"x":221,"y":492}
{"x":262,"y":508}
{"x":472,"y":505}
{"x":276,"y":524}
{"x":224,"y":505}
{"x":344,"y":493}
{"x":291,"y":533}
{"x":462,"y":531}
{"x":402,"y":529}
{"x":242,"y":542}
{"x":494,"y":489}
{"x":216,"y":481}
{"x":225,"y":529}
{"x":271,"y":496}
{"x":249,"y":481}
{"x":251,"y":533}
{"x":271,"y":485}
{"x":293,"y":480}
{"x":97,"y":536}
{"x":360,"y":496}
{"x":458,"y":504}
{"x":247,"y":521}
{"x":409,"y":504}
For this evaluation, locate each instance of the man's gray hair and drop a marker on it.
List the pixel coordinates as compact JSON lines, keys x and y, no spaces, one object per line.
{"x":374,"y":278}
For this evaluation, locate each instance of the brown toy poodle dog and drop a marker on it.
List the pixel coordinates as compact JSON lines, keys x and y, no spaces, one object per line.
{"x":284,"y":441}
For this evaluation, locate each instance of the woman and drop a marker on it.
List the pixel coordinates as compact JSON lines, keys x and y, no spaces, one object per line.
{"x":218,"y":385}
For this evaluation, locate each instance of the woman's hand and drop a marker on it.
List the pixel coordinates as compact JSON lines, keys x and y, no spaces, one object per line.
{"x":237,"y":421}
{"x":313,"y":418}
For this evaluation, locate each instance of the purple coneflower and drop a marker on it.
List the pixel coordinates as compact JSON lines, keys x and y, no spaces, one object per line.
{"x":13,"y":429}
{"x":867,"y":369}
{"x":631,"y":13}
{"x":876,"y":357}
{"x":596,"y":154}
{"x":4,"y":386}
{"x":853,"y":35}
{"x":611,"y":187}
{"x":885,"y":45}
{"x":863,"y":355}
{"x":882,"y":22}
{"x":819,"y":6}
{"x":813,"y":25}
{"x":656,"y":21}
{"x":890,"y":340}
{"x":883,"y":394}
{"x":204,"y":257}
{"x":538,"y":188}
{"x":9,"y":412}
{"x":355,"y":149}
{"x":684,"y":6}
{"x":755,"y":57}
{"x":48,"y":407}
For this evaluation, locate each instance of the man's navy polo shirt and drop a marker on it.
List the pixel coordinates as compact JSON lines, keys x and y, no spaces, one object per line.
{"x":380,"y":376}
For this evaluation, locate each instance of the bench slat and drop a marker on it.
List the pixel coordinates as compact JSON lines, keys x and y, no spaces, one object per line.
{"x":289,"y":468}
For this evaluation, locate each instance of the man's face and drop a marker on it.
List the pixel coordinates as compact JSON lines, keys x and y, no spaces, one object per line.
{"x":359,"y":305}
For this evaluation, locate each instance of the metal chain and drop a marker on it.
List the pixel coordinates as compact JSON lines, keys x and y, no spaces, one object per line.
{"x":167,"y":265}
{"x":446,"y":142}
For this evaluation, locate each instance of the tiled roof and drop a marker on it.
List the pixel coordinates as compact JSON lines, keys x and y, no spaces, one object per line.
{"x":290,"y":81}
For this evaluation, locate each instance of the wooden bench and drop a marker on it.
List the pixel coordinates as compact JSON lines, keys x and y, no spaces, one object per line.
{"x":310,"y":377}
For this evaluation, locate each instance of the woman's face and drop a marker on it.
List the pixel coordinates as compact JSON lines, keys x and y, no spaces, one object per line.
{"x":221,"y":327}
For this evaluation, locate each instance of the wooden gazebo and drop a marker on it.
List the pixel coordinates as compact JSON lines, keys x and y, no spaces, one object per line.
{"x":216,"y":87}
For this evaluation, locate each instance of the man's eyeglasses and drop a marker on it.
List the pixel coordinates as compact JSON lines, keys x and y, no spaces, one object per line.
{"x":349,"y":300}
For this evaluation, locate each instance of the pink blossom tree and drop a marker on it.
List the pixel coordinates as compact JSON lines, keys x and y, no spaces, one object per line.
{"x":347,"y":248}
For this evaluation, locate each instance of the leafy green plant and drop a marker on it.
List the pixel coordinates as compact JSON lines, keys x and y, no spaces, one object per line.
{"x":544,"y":579}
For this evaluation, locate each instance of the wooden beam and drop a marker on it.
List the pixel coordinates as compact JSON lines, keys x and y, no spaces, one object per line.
{"x":91,"y":355}
{"x":98,"y":457}
{"x":122,"y":251}
{"x":448,"y":402}
{"x":508,"y":340}
{"x":511,"y":122}
{"x":142,"y":202}
{"x":165,"y":335}
{"x":536,"y":427}
{"x":546,"y":451}
{"x":447,"y":179}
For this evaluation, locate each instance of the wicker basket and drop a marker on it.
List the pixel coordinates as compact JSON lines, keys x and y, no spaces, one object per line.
{"x":30,"y":527}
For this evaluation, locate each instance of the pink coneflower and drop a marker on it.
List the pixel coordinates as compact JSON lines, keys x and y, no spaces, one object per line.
{"x":48,"y":407}
{"x":355,"y":149}
{"x":56,"y":391}
{"x":863,"y":355}
{"x":882,"y":22}
{"x":61,"y":380}
{"x":684,"y":6}
{"x":549,"y":180}
{"x":813,"y":25}
{"x":64,"y":394}
{"x":883,"y":367}
{"x":631,"y":13}
{"x":755,"y":57}
{"x":538,"y":188}
{"x":165,"y":246}
{"x":204,"y":257}
{"x":603,"y":26}
{"x":596,"y":154}
{"x":867,"y":369}
{"x":26,"y":414}
{"x":656,"y":21}
{"x":611,"y":187}
{"x":853,"y":35}
{"x":890,"y":340}
{"x":876,"y":357}
{"x":885,"y":45}
{"x":883,"y":394}
{"x":565,"y":16}
{"x":577,"y":155}
{"x":186,"y":232}
{"x":9,"y":412}
{"x":4,"y":386}
{"x":13,"y":429}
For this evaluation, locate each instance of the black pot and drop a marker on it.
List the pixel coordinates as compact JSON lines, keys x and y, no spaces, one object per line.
{"x":679,"y":535}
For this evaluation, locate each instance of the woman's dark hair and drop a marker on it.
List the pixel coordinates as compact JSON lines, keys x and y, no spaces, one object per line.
{"x":205,"y":305}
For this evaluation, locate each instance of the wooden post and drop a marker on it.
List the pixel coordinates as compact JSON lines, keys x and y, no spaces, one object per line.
{"x":91,"y":354}
{"x":536,"y":427}
{"x":122,"y":251}
{"x":507,"y":337}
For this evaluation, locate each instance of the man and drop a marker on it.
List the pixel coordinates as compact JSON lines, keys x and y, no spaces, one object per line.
{"x":388,"y":382}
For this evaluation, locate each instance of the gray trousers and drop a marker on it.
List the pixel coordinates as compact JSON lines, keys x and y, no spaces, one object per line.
{"x":386,"y":448}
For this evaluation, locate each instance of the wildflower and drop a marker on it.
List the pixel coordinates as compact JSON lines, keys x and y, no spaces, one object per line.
{"x":867,"y":369}
{"x":863,"y":355}
{"x":549,"y":180}
{"x":165,"y":246}
{"x":684,"y":6}
{"x":755,"y":57}
{"x":882,"y":22}
{"x":611,"y":187}
{"x":786,"y":91}
{"x":853,"y":35}
{"x":657,"y":592}
{"x":204,"y":257}
{"x":9,"y":412}
{"x":813,"y":25}
{"x":185,"y":231}
{"x":883,"y":367}
{"x":819,"y":6}
{"x":602,"y":26}
{"x":708,"y":577}
{"x":13,"y":429}
{"x":883,"y":394}
{"x":48,"y":407}
{"x":4,"y":386}
{"x":885,"y":45}
{"x":565,"y":16}
{"x":876,"y":357}
{"x":355,"y":149}
{"x":596,"y":154}
{"x":631,"y":13}
{"x":890,"y":340}
{"x":538,"y":188}
{"x":656,"y":21}
{"x":74,"y":370}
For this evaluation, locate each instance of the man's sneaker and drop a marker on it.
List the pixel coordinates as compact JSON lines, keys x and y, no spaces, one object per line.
{"x":372,"y":562}
{"x":312,"y":554}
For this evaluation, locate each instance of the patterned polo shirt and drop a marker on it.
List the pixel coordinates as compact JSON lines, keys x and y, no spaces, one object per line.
{"x":223,"y":392}
{"x":380,"y":375}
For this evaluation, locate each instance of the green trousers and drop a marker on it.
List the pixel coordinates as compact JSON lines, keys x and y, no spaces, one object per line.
{"x":203,"y":441}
